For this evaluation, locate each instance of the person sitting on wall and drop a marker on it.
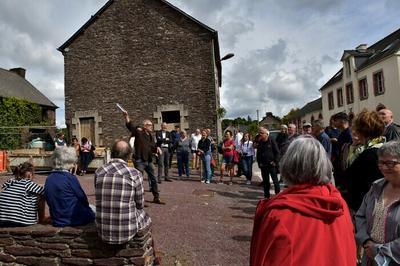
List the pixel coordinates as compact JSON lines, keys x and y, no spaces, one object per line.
{"x":65,"y":197}
{"x":59,"y":141}
{"x":119,"y":198}
{"x":21,"y":201}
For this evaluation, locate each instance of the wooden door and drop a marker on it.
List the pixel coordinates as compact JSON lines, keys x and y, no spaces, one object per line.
{"x":87,"y":129}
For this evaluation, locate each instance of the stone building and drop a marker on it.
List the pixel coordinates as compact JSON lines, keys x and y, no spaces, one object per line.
{"x":147,"y":55}
{"x":270,"y":121}
{"x":14,"y":84}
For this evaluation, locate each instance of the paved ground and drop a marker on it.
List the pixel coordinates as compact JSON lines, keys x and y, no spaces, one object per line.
{"x":200,"y":224}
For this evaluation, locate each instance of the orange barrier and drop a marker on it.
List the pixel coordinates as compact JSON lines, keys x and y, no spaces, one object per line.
{"x":3,"y":160}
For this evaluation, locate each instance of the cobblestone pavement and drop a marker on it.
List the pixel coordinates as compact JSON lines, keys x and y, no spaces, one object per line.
{"x":201,"y":224}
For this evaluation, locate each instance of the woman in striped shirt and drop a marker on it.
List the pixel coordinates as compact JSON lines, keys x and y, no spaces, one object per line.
{"x":21,"y":200}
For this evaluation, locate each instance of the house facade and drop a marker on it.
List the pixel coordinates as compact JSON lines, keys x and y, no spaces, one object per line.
{"x":370,"y":75}
{"x":150,"y":57}
{"x":308,"y":114}
{"x":270,"y":122}
{"x":25,"y":112}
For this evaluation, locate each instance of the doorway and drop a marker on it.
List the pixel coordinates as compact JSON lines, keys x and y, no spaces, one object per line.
{"x":87,"y":128}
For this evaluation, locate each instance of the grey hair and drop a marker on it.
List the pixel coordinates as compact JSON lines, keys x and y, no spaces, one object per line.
{"x":391,"y":148}
{"x":305,"y":161}
{"x":318,"y":123}
{"x":64,"y":158}
{"x":264,"y":130}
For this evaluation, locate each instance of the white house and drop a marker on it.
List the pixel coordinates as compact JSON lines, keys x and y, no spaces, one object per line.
{"x":369,"y":76}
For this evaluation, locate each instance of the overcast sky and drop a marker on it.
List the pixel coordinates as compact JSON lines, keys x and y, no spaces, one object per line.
{"x":284,"y":49}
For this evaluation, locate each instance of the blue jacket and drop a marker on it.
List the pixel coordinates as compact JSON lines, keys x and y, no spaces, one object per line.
{"x":67,"y":201}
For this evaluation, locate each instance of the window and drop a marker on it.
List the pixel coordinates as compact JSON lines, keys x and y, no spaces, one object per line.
{"x":348,"y":67}
{"x":339,"y":97}
{"x":363,"y":87}
{"x":379,"y":87}
{"x":349,"y":93}
{"x":331,"y":102}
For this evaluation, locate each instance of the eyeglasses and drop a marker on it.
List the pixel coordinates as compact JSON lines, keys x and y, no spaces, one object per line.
{"x":148,"y":124}
{"x":388,"y":164}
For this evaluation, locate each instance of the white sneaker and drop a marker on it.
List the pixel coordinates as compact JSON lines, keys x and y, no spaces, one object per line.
{"x":207,"y":182}
{"x":202,"y":181}
{"x":248,"y":182}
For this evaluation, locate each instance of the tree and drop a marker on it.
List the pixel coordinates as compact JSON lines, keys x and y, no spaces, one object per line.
{"x":286,"y":118}
{"x":221,"y":112}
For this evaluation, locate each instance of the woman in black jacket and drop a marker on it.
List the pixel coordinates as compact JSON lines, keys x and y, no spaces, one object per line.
{"x":364,"y":170}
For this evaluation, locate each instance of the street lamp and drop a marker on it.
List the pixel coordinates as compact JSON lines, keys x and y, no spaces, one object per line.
{"x":227,"y":56}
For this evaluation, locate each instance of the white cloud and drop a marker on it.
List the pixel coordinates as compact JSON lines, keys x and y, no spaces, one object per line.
{"x":284,"y":50}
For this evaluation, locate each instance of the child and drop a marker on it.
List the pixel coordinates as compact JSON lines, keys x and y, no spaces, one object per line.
{"x":21,"y":199}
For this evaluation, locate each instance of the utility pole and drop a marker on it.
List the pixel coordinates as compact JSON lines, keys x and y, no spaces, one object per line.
{"x":258,"y":118}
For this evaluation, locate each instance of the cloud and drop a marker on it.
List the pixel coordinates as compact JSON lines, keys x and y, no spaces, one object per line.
{"x":233,"y":31}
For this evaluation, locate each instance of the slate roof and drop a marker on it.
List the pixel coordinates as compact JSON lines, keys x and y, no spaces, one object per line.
{"x":374,"y":53}
{"x":13,"y":85}
{"x":213,"y":32}
{"x":308,"y":108}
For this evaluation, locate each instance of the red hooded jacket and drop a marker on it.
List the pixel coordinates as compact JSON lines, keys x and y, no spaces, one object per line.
{"x":304,"y":225}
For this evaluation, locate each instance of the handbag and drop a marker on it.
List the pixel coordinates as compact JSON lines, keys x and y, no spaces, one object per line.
{"x":236,"y":157}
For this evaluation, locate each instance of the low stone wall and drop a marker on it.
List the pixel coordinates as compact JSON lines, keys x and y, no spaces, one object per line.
{"x":48,"y":245}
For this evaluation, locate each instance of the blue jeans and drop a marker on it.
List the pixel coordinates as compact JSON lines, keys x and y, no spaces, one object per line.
{"x":183,"y":163}
{"x":247,"y":166}
{"x":149,"y":169}
{"x":85,"y":160}
{"x":206,"y":158}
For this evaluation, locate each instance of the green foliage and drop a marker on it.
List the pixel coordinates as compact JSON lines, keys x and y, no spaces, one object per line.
{"x":16,"y":113}
{"x":221,"y":112}
{"x":288,"y":116}
{"x":252,"y":125}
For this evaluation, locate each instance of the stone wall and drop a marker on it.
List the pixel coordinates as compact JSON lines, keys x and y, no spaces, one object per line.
{"x":48,"y":245}
{"x":142,"y":54}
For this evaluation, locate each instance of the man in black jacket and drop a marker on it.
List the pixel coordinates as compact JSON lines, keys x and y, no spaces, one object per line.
{"x":268,"y":158}
{"x":163,"y":138}
{"x":145,"y":147}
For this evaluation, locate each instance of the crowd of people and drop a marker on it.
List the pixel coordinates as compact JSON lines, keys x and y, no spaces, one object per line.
{"x":343,"y":187}
{"x":314,"y":222}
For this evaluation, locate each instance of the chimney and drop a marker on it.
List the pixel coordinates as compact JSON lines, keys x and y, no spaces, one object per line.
{"x":362,"y":47}
{"x":19,"y":70}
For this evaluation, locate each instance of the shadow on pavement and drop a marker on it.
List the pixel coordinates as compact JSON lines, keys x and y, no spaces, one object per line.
{"x":242,"y":238}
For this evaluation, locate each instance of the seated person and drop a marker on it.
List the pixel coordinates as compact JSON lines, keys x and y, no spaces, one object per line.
{"x":119,"y":198}
{"x":67,"y":201}
{"x":21,"y":199}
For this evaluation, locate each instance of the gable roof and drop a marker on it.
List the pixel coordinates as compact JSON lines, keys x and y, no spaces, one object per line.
{"x":308,"y":108}
{"x":213,"y":32}
{"x":378,"y":51}
{"x":13,"y":85}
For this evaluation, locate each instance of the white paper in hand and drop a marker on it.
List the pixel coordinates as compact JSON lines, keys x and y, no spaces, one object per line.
{"x":121,"y":108}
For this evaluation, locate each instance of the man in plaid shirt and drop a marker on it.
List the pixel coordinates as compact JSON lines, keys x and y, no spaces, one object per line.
{"x":119,"y":198}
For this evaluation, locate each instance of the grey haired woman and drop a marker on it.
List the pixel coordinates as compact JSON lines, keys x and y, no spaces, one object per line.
{"x":378,"y":219}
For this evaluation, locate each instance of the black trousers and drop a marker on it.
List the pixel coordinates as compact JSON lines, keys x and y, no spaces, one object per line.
{"x":149,"y":169}
{"x":266,"y":171}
